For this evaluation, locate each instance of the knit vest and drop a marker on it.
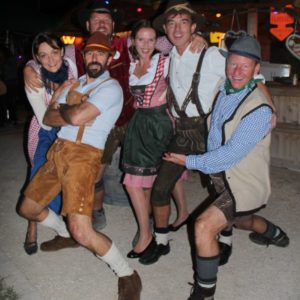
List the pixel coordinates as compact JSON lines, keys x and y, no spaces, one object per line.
{"x":249,"y":180}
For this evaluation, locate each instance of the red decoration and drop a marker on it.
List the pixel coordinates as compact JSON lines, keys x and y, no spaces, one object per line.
{"x":281,"y":20}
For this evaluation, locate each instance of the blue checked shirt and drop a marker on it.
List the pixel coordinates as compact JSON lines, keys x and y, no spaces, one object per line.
{"x":250,"y":131}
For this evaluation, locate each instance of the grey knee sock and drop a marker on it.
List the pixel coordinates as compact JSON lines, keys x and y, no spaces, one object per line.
{"x":207,"y":269}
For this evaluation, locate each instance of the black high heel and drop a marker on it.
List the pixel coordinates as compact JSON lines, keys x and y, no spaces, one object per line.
{"x":133,"y":254}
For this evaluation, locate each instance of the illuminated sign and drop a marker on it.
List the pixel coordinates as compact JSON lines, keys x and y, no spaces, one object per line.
{"x":70,"y":40}
{"x":216,"y":37}
{"x":281,"y":20}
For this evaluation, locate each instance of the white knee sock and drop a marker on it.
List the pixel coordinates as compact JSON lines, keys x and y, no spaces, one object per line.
{"x":162,"y":238}
{"x":116,"y":261}
{"x":225,"y":237}
{"x":56,"y":223}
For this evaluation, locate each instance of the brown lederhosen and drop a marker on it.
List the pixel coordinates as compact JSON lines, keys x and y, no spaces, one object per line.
{"x":224,"y":200}
{"x":189,"y":138}
{"x":71,"y":167}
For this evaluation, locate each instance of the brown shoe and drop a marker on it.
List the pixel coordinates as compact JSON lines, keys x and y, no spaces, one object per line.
{"x":58,"y":243}
{"x":130,"y":287}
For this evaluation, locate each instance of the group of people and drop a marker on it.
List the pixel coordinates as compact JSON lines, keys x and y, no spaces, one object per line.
{"x":204,"y":110}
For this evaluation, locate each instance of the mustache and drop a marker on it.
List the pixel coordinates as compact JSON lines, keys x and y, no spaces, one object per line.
{"x":94,"y":64}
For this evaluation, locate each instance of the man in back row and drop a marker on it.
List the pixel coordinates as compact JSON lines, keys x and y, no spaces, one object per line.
{"x":237,"y":159}
{"x":86,"y":112}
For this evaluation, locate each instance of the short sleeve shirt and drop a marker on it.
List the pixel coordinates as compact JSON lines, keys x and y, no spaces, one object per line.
{"x":108,"y":99}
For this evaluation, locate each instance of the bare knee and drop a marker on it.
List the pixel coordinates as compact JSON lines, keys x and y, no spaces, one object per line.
{"x":79,"y":233}
{"x":26,"y":209}
{"x":204,"y":230}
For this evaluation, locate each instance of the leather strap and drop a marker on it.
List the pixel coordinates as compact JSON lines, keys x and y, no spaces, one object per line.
{"x":192,"y":95}
{"x":81,"y":128}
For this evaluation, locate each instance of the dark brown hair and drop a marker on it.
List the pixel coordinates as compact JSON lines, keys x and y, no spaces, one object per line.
{"x":49,"y":38}
{"x":135,"y":29}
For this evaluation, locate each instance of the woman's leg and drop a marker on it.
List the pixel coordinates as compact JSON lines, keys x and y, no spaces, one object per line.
{"x":30,"y":244}
{"x":141,"y":204}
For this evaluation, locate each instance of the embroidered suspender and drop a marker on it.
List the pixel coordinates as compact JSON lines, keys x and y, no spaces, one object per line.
{"x":192,"y":95}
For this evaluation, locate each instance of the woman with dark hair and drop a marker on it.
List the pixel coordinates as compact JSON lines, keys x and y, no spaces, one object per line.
{"x":55,"y":67}
{"x":149,"y":130}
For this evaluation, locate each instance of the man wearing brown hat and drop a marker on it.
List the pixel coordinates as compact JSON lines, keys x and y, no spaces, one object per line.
{"x":98,"y":18}
{"x":86,"y":111}
{"x":193,"y":77}
{"x":237,"y":159}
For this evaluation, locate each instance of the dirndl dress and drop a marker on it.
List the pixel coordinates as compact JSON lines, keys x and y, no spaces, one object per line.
{"x":148,"y":132}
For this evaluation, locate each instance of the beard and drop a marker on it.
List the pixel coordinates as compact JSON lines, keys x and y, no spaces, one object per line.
{"x":94,"y":73}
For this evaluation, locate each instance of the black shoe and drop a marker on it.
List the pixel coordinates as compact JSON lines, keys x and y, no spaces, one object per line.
{"x":30,"y":247}
{"x":150,"y":257}
{"x":225,"y":252}
{"x":175,"y":228}
{"x":200,"y":293}
{"x":149,"y":248}
{"x":281,"y":240}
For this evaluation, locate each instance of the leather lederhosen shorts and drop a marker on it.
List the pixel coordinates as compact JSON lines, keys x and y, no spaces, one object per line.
{"x":71,"y":168}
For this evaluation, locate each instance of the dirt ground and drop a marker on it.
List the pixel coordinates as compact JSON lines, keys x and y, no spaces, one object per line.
{"x":253,"y":272}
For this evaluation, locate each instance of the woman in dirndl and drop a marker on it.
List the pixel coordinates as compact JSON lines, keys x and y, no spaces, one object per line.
{"x":55,"y":64}
{"x":149,"y":131}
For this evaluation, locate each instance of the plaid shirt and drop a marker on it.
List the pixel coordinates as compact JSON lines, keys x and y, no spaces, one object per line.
{"x":250,"y":131}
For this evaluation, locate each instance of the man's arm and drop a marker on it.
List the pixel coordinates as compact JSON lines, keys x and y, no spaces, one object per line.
{"x":251,"y":130}
{"x":164,"y":45}
{"x":53,"y":117}
{"x":76,"y":115}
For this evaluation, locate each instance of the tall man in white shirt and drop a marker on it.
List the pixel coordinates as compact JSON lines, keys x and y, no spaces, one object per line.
{"x":190,"y":95}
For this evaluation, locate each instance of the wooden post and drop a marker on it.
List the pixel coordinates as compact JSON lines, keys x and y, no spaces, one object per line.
{"x":252,"y":21}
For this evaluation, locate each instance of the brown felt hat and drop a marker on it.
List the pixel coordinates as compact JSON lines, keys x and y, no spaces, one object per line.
{"x":99,"y":41}
{"x":177,"y":7}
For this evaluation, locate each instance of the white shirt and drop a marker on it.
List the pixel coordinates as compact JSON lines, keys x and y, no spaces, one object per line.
{"x":148,"y":77}
{"x":181,"y":73}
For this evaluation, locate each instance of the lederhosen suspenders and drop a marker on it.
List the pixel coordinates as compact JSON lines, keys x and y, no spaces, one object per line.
{"x":74,"y":97}
{"x":192,"y":95}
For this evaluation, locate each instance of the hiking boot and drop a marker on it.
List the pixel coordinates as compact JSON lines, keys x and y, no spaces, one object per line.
{"x":200,"y":293}
{"x":99,"y":219}
{"x":130,"y":287}
{"x":225,"y":252}
{"x":154,"y":254}
{"x":58,"y":243}
{"x":281,"y":240}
